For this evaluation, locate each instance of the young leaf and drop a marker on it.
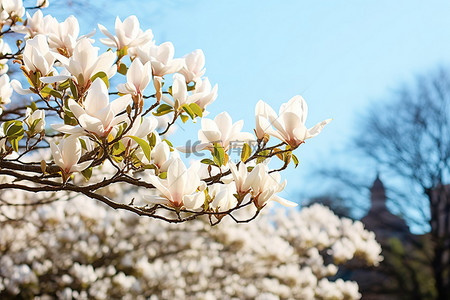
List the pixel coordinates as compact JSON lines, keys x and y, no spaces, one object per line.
{"x":87,"y":173}
{"x":73,"y":89}
{"x":295,"y":160}
{"x":122,"y":69}
{"x":47,"y":91}
{"x":207,"y":161}
{"x":102,"y":75}
{"x":143,"y":144}
{"x":196,"y":109}
{"x":163,"y":109}
{"x":219,"y":154}
{"x":246,"y":152}
{"x":189,"y":111}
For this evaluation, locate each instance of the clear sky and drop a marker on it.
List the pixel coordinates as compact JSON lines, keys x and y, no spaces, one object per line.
{"x":339,"y":55}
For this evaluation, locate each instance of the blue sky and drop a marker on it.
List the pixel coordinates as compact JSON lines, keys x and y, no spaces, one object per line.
{"x":339,"y":55}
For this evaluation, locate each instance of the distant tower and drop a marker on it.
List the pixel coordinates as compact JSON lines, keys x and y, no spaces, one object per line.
{"x":379,"y":219}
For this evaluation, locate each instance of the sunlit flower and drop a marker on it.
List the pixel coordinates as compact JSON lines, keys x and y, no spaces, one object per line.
{"x":35,"y":120}
{"x":85,"y":63}
{"x":290,"y":123}
{"x":5,"y":90}
{"x":223,"y":131}
{"x":98,"y":115}
{"x":138,"y":77}
{"x":194,"y":69}
{"x":180,"y":187}
{"x":161,"y":58}
{"x":67,"y":154}
{"x":128,"y":34}
{"x":37,"y":56}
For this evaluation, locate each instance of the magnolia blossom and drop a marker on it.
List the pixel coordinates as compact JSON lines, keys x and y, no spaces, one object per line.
{"x":194,"y":66}
{"x":241,"y":179}
{"x":180,"y":187}
{"x":36,"y":119}
{"x":223,"y":198}
{"x":34,"y":25}
{"x":221,"y":130}
{"x":67,"y":154}
{"x":266,"y":185}
{"x":10,"y":10}
{"x":98,"y":115}
{"x":289,"y":124}
{"x":37,"y":55}
{"x":161,"y":58}
{"x":128,"y":34}
{"x":4,"y":49}
{"x":85,"y":63}
{"x":203,"y":94}
{"x":63,"y":36}
{"x":138,"y":77}
{"x":5,"y":90}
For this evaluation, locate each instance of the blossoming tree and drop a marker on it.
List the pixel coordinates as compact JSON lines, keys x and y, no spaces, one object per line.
{"x":88,"y":251}
{"x":87,"y":122}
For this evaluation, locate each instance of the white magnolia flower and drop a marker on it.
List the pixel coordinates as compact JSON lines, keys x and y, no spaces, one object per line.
{"x":160,"y":155}
{"x":194,"y":66}
{"x":34,"y":25}
{"x":67,"y":154}
{"x":4,"y":49}
{"x":266,"y":185}
{"x":39,"y":116}
{"x":5,"y":90}
{"x":290,"y":122}
{"x":161,"y":58}
{"x":221,"y":130}
{"x":128,"y":34}
{"x":242,"y":181}
{"x":37,"y":56}
{"x":138,"y":77}
{"x":98,"y":115}
{"x":85,"y":63}
{"x":63,"y":37}
{"x":10,"y":10}
{"x":223,"y":196}
{"x":203,"y":95}
{"x":180,"y":187}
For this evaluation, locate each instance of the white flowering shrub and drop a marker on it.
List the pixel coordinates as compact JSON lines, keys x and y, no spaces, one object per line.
{"x":96,"y":109}
{"x":84,"y":250}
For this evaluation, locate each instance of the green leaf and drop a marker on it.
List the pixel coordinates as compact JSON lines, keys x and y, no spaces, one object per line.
{"x":73,"y":89}
{"x":295,"y":160}
{"x":184,"y":118}
{"x":83,"y":144}
{"x":122,"y":69}
{"x":13,"y":128}
{"x":189,"y":111}
{"x":15,"y":143}
{"x":87,"y":173}
{"x":218,"y":154}
{"x":47,"y":91}
{"x":64,"y":85}
{"x":118,"y":148}
{"x":168,"y":143}
{"x":152,"y":140}
{"x":143,"y":144}
{"x":163,"y":175}
{"x":196,"y":109}
{"x":246,"y":152}
{"x":163,"y":109}
{"x":207,"y":161}
{"x":33,"y":106}
{"x":263,"y":158}
{"x":102,"y":75}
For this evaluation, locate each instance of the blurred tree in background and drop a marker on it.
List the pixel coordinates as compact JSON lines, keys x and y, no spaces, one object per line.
{"x":408,"y":138}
